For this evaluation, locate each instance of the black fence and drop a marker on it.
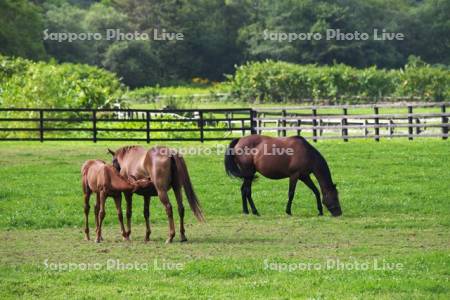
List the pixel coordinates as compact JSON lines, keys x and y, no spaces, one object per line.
{"x":124,"y":125}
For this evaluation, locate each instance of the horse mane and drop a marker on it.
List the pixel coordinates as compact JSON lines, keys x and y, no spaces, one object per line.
{"x":125,"y":149}
{"x":323,"y":165}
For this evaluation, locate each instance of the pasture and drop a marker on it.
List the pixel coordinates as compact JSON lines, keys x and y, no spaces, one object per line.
{"x":392,"y":241}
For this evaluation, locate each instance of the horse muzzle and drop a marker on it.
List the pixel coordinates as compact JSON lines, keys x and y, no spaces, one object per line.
{"x":335,"y":211}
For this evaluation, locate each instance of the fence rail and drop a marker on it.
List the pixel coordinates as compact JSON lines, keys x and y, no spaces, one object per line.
{"x":411,"y":120}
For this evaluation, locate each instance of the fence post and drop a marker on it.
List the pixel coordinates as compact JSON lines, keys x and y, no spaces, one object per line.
{"x":283,"y":123}
{"x":253,"y":124}
{"x":391,"y":128}
{"x":227,"y":116}
{"x":260,"y":122}
{"x":410,"y":122}
{"x":417,"y":127}
{"x":147,"y":118}
{"x":94,"y":126}
{"x":41,"y":125}
{"x":377,"y":123}
{"x":299,"y":123}
{"x":444,"y":123}
{"x":201,"y":126}
{"x":314,"y":112}
{"x":344,"y":123}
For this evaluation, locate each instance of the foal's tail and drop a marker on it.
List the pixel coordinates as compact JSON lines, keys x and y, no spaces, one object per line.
{"x":231,"y":168}
{"x":187,"y":186}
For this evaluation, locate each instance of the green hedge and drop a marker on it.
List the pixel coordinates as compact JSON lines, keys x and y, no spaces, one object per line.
{"x":24,"y":83}
{"x":273,"y":81}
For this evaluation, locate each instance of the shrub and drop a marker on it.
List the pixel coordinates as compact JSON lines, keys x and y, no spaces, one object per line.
{"x":272,"y":81}
{"x":49,"y":85}
{"x":425,"y":82}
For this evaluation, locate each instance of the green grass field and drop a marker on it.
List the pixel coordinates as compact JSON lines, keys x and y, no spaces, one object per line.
{"x":392,"y":242}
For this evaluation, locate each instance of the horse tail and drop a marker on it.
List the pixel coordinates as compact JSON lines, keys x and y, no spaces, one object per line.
{"x":185,"y":181}
{"x":231,"y":168}
{"x":84,"y":170}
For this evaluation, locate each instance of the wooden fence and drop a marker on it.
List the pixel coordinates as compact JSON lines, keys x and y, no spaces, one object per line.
{"x":411,"y":120}
{"x":346,"y":122}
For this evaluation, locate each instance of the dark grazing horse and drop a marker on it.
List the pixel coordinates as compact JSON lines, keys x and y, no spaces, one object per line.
{"x":167,"y":169}
{"x":277,"y":158}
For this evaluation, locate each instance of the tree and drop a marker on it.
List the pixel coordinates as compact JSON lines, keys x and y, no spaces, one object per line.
{"x":68,"y":19}
{"x":134,"y":61}
{"x":99,"y":18}
{"x":20,"y":29}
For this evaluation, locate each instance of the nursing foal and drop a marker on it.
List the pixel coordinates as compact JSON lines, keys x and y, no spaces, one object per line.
{"x":105,"y":180}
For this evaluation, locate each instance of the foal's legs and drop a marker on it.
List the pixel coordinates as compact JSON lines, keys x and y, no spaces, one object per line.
{"x":309,"y":183}
{"x":96,"y":210}
{"x":87,"y":195}
{"x":292,"y":186}
{"x":118,"y":202}
{"x":129,"y":200}
{"x":179,"y":197}
{"x":248,"y":193}
{"x":101,"y":216}
{"x":165,"y":201}
{"x":147,"y":217}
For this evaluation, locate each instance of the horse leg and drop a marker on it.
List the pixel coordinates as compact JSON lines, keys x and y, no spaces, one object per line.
{"x":244,"y":199}
{"x":118,"y":202}
{"x":309,"y":183}
{"x":179,"y":197}
{"x":101,"y":216}
{"x":129,"y":200}
{"x":87,"y":195}
{"x":96,"y":210}
{"x":147,"y":217}
{"x":248,"y":189}
{"x":164,"y":198}
{"x":292,"y":186}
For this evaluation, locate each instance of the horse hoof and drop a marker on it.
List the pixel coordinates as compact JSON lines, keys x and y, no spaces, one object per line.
{"x":256,"y":213}
{"x":289,"y":213}
{"x":183,"y":240}
{"x":320,"y":214}
{"x":168,"y":241}
{"x":97,"y":241}
{"x":245,"y":212}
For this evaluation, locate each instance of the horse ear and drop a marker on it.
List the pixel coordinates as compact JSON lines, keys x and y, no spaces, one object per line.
{"x":111,"y":152}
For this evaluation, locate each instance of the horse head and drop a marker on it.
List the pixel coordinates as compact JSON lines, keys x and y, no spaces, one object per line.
{"x":115,"y":159}
{"x":331,"y":201}
{"x":140,"y":184}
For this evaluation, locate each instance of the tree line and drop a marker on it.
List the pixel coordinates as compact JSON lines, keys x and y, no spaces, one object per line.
{"x":220,"y":34}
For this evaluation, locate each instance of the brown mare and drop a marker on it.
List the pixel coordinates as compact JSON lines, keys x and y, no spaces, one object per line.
{"x":277,"y":158}
{"x":104,"y":180}
{"x":167,"y":170}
